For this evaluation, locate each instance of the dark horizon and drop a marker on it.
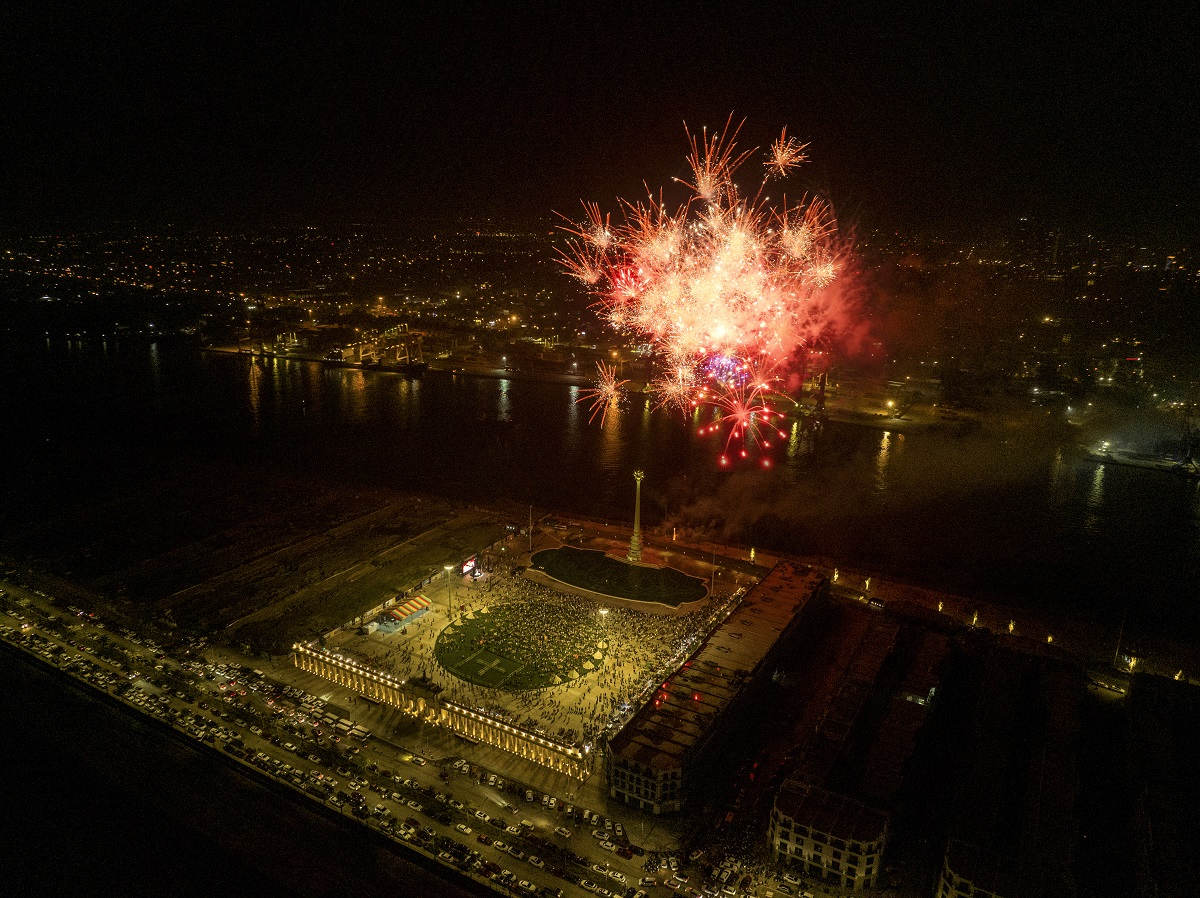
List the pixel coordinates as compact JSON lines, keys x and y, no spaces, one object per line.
{"x":330,"y":117}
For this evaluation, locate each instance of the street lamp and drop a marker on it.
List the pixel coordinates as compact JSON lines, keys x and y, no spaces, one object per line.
{"x":449,"y":602}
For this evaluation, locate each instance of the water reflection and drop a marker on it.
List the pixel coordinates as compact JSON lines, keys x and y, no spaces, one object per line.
{"x":355,"y":388}
{"x":881,"y":461}
{"x":311,"y":379}
{"x":793,"y":441}
{"x":254,"y":389}
{"x":503,"y":402}
{"x":156,"y":373}
{"x":610,"y":438}
{"x":574,"y":422}
{"x":407,"y":400}
{"x":1057,"y":471}
{"x":1095,"y":496}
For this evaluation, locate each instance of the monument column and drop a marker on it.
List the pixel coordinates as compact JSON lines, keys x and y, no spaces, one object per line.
{"x":635,"y":543}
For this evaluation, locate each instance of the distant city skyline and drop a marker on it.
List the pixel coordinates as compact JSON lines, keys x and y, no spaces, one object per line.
{"x":325,"y":117}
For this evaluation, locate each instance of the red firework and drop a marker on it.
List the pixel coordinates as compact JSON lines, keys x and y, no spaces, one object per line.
{"x":720,"y":277}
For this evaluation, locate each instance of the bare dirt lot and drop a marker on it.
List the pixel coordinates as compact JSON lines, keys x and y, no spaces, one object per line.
{"x":263,"y":560}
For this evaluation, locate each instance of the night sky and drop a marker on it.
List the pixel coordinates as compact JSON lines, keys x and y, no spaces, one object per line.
{"x":918,"y":115}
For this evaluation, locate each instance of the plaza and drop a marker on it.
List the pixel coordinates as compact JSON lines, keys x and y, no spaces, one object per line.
{"x":553,"y":664}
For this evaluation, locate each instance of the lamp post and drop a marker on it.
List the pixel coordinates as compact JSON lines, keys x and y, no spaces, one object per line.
{"x":449,"y":601}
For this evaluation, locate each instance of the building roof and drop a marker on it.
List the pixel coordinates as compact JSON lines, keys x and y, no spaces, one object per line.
{"x":681,"y":714}
{"x":825,"y":747}
{"x":1164,"y":717}
{"x":836,"y":815}
{"x":1014,"y":830}
{"x":852,"y":767}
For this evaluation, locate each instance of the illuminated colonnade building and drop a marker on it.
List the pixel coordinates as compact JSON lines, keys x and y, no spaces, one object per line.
{"x":566,"y":759}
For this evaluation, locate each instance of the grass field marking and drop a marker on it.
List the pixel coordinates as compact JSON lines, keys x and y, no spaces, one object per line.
{"x":487,"y":668}
{"x":494,"y":663}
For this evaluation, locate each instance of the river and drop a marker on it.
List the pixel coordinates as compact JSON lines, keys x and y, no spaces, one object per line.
{"x":1023,"y":516}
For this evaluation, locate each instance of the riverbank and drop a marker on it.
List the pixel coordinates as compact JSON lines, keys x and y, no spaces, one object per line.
{"x":440,"y":366}
{"x":1098,"y":646}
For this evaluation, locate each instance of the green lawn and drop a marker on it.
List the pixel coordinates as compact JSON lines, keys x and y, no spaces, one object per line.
{"x":595,"y":571}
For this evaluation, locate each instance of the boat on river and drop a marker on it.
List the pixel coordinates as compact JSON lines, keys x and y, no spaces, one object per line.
{"x":1106,"y":454}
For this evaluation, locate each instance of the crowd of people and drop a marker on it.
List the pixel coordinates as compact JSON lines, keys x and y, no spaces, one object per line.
{"x":551,"y":639}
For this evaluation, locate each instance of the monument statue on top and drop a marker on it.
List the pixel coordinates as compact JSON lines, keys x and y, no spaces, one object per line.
{"x":635,"y":542}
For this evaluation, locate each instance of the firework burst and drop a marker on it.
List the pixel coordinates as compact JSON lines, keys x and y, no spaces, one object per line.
{"x":737,"y":394}
{"x":607,"y":393}
{"x":720,"y":277}
{"x":786,"y":153}
{"x":675,"y":388}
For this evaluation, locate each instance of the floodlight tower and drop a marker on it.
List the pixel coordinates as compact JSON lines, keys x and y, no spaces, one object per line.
{"x":635,"y":542}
